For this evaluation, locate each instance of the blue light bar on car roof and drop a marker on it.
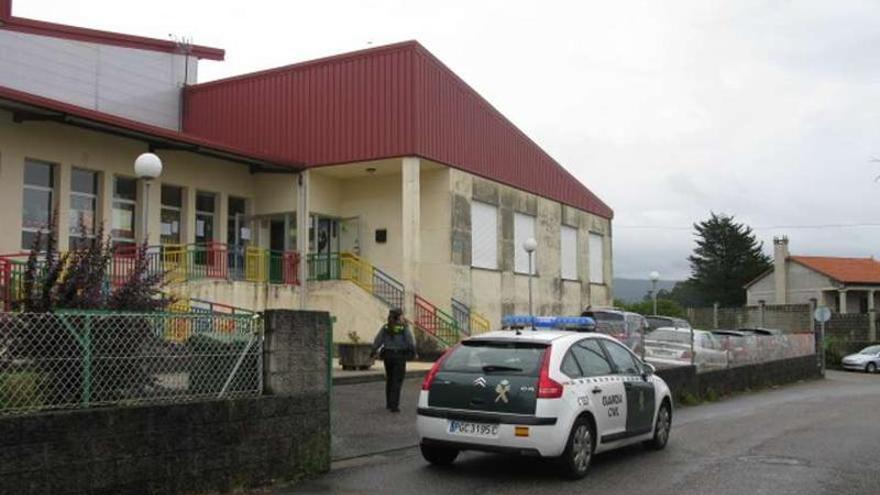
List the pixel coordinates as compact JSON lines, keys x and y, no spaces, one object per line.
{"x":557,"y":322}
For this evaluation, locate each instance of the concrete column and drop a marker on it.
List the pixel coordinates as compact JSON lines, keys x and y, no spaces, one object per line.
{"x":188,"y":216}
{"x":302,"y":234}
{"x":221,"y":218}
{"x":842,"y":298}
{"x":410,"y":229}
{"x":780,"y":269}
{"x":872,"y":317}
{"x":296,"y":352}
{"x":62,"y":188}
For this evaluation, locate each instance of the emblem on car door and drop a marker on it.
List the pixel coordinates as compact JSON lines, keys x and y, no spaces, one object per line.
{"x":480,"y":382}
{"x":501,"y":389}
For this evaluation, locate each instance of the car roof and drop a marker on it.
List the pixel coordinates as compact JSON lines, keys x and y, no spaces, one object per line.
{"x":537,"y":336}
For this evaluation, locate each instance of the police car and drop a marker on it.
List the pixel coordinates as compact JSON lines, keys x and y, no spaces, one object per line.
{"x":543,"y":390}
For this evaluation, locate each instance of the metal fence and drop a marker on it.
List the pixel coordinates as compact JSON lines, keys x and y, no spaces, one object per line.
{"x":87,"y":359}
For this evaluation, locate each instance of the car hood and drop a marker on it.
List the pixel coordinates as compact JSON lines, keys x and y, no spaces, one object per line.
{"x":855,"y":358}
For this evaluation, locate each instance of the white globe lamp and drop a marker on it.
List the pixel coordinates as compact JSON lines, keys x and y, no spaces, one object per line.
{"x":148,"y":166}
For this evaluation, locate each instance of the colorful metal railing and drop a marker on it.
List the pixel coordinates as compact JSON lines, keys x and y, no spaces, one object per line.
{"x":436,"y":322}
{"x":470,"y":323}
{"x":177,"y":263}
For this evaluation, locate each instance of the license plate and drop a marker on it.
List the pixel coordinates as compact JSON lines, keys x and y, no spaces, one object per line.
{"x":469,"y":429}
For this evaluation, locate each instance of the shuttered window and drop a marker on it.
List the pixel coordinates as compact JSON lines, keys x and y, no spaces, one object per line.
{"x":484,"y":235}
{"x":568,"y":252}
{"x":523,"y":228}
{"x":597,"y":259}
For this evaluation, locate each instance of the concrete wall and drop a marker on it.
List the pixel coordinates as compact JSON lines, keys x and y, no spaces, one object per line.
{"x":480,"y":288}
{"x":803,"y":284}
{"x":142,"y":85}
{"x":200,"y":447}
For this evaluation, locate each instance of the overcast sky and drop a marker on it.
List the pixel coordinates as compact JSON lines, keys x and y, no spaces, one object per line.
{"x":667,"y":110}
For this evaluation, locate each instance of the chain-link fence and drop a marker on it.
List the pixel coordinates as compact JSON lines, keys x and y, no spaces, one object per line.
{"x":86,"y":359}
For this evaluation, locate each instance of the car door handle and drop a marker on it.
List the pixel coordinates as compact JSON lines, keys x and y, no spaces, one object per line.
{"x":597,"y":390}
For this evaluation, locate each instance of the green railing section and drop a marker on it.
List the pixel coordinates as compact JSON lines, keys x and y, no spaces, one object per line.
{"x":81,"y":359}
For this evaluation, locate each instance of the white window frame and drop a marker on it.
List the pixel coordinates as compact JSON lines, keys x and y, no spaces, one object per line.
{"x":524,"y":226}
{"x":568,"y":254}
{"x":484,"y":254}
{"x":134,"y":212}
{"x":74,"y":229}
{"x":52,"y":196}
{"x":176,"y":209}
{"x":597,"y":260}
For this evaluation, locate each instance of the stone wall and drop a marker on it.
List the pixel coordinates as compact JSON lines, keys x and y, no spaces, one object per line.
{"x":686,"y":384}
{"x":198,"y":447}
{"x":848,"y":327}
{"x":790,"y":318}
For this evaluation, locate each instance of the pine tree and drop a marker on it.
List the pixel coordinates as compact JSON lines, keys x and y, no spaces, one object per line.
{"x":727,"y":257}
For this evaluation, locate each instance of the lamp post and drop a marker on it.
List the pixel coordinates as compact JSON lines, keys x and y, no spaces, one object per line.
{"x":147,"y":166}
{"x":654,"y":276}
{"x":530,"y":245}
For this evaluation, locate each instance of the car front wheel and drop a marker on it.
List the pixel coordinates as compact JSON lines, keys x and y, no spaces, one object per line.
{"x":662,"y":428}
{"x":579,"y":449}
{"x":439,"y":456}
{"x":871,"y":368}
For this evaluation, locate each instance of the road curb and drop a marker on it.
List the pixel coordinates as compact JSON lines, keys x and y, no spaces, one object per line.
{"x":373,"y":377}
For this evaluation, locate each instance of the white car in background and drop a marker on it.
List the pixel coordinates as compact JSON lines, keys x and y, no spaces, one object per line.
{"x":868,"y":360}
{"x":548,"y":393}
{"x":669,"y":346}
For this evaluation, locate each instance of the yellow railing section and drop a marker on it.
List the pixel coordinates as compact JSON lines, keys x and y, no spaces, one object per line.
{"x":174,"y":261}
{"x":479,"y":324}
{"x":256,"y":264}
{"x":355,"y":269}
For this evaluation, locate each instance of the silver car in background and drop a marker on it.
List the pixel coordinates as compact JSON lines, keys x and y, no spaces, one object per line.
{"x":868,"y":360}
{"x":669,"y":346}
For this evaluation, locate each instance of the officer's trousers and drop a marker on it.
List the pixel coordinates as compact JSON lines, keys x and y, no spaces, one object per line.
{"x":395,"y":371}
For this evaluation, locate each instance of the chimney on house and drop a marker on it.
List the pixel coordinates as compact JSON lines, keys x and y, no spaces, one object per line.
{"x":5,"y":10}
{"x":780,"y":269}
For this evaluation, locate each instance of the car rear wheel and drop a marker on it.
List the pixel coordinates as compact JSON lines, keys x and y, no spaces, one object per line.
{"x":579,"y":450}
{"x":871,"y":368}
{"x":439,"y":456}
{"x":662,"y":428}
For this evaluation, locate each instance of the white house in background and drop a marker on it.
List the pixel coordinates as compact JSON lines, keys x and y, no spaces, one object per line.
{"x":846,"y":285}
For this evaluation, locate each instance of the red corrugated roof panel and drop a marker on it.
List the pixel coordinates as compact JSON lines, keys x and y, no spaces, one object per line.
{"x":395,"y":100}
{"x":846,"y":270}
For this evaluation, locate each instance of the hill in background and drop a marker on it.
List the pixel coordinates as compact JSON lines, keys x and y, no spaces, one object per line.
{"x":633,"y":290}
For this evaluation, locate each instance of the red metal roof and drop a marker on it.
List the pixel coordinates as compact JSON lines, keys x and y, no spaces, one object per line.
{"x":389,"y":101}
{"x":846,"y":270}
{"x":12,"y":23}
{"x":72,"y":114}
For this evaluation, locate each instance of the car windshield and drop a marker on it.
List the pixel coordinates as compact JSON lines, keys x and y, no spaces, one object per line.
{"x":670,"y":336}
{"x":481,"y":356}
{"x":874,"y":349}
{"x":604,"y":316}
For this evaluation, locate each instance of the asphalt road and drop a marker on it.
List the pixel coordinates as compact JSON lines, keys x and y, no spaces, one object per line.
{"x":819,"y":437}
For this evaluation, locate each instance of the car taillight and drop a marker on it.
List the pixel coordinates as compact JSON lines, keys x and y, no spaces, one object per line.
{"x":548,"y":388}
{"x":429,"y":378}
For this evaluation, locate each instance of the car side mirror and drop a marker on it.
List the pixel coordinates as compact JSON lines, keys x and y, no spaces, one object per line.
{"x":649,"y":369}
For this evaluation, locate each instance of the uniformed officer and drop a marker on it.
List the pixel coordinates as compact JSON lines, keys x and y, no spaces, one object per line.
{"x":394,"y":344}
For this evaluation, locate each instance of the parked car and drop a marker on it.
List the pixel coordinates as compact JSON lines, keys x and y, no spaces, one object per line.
{"x":655,"y":322}
{"x":672,"y":347}
{"x":625,"y":326}
{"x":868,"y":360}
{"x":550,"y":393}
{"x":741,"y":347}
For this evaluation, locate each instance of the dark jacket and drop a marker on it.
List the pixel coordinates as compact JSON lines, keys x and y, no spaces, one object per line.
{"x":398,"y":338}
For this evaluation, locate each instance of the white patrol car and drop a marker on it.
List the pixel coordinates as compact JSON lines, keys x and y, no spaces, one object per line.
{"x":550,"y":393}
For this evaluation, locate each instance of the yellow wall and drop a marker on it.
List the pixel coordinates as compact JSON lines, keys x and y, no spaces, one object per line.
{"x":74,"y":147}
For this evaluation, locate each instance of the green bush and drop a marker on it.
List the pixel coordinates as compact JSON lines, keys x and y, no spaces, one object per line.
{"x":20,"y":389}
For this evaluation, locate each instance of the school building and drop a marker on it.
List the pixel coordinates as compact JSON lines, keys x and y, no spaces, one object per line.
{"x":350,"y":183}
